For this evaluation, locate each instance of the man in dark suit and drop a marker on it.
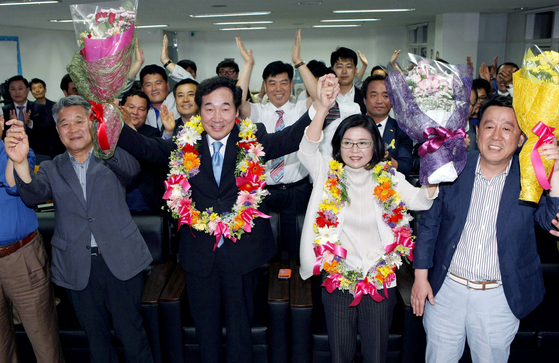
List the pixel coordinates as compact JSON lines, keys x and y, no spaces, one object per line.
{"x":146,"y":192}
{"x":98,"y":253}
{"x":378,"y":106}
{"x":34,"y":116}
{"x":344,"y":63}
{"x":224,"y":277}
{"x":476,"y":259}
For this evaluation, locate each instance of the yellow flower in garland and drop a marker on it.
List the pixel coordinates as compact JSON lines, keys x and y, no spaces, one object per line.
{"x":336,"y":167}
{"x":334,"y":208}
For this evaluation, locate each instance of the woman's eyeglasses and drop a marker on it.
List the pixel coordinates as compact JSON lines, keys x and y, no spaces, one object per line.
{"x":360,"y":144}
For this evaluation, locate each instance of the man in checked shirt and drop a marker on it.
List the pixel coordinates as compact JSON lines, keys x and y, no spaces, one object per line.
{"x":475,"y":259}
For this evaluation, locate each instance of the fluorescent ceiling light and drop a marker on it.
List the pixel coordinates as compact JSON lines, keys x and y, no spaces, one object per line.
{"x":230,"y":14}
{"x":249,"y":28}
{"x":370,"y":11}
{"x":337,"y":26}
{"x":245,"y":22}
{"x":30,"y":3}
{"x":152,"y":26}
{"x":347,"y":20}
{"x":61,"y":20}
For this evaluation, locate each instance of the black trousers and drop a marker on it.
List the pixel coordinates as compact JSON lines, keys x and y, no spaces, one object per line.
{"x":223,"y":290}
{"x":370,"y":318}
{"x":289,"y":203}
{"x":107,"y":299}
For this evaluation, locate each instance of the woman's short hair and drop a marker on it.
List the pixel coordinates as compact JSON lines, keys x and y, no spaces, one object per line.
{"x":368,"y":124}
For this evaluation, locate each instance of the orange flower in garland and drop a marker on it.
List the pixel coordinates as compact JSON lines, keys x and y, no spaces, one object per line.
{"x":190,"y":161}
{"x":384,"y":191}
{"x":255,"y":168}
{"x":331,"y":267}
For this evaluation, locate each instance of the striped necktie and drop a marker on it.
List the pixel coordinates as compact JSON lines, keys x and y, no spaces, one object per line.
{"x":276,"y":172}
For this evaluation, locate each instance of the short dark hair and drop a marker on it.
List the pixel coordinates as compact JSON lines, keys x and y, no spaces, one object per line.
{"x":37,"y":80}
{"x":17,"y":78}
{"x":368,"y":124}
{"x":493,"y":100}
{"x":211,"y":84}
{"x":135,"y":93}
{"x":379,"y":67}
{"x":314,"y":64}
{"x":152,"y":69}
{"x":227,"y":63}
{"x":184,"y":81}
{"x":514,"y":65}
{"x":343,"y":53}
{"x":321,"y":71}
{"x":480,"y":83}
{"x":65,"y":82}
{"x":368,"y":80}
{"x":187,"y":63}
{"x":277,"y":67}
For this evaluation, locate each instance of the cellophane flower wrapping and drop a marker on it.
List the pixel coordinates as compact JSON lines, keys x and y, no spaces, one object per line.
{"x":105,"y":34}
{"x":535,"y":100}
{"x":431,"y":104}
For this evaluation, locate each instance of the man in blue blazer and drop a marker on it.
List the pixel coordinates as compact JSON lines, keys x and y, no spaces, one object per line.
{"x":224,"y":278}
{"x":475,"y":258}
{"x":378,"y":106}
{"x":98,"y":253}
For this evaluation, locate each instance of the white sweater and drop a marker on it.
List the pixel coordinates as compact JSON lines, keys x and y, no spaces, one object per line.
{"x":363,"y":232}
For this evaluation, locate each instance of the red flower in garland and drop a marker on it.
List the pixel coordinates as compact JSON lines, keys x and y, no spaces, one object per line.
{"x":187,"y":148}
{"x":394,"y":218}
{"x":245,"y":144}
{"x":255,"y":168}
{"x":322,"y":221}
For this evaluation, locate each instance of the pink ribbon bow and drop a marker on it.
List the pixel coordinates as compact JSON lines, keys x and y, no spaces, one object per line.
{"x":249,"y":178}
{"x":545,"y":134}
{"x":364,"y":287}
{"x":221,"y":229}
{"x":248,"y":214}
{"x":401,"y":239}
{"x":328,"y":246}
{"x":436,"y":137}
{"x":173,"y":180}
{"x":332,"y":282}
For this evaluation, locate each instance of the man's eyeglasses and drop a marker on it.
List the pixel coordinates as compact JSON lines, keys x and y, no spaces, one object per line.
{"x":223,"y":72}
{"x":360,"y":144}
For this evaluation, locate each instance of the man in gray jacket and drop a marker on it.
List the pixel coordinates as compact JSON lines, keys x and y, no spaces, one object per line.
{"x":98,"y":253}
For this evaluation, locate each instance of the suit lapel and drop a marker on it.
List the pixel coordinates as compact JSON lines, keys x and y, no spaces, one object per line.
{"x":91,"y":176}
{"x":466,"y":187}
{"x":69,"y":174}
{"x":206,"y":157}
{"x":388,"y":134}
{"x":230,"y":161}
{"x":509,"y":197}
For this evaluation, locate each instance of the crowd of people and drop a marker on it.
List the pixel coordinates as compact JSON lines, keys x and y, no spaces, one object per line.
{"x":477,"y":271}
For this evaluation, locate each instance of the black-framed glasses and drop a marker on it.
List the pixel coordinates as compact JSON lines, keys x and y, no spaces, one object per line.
{"x":360,"y":144}
{"x":223,"y":72}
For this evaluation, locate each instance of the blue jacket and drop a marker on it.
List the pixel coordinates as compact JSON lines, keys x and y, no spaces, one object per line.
{"x":440,"y":229}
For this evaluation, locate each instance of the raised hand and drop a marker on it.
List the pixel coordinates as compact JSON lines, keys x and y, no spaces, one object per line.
{"x":469,"y":62}
{"x":126,"y":117}
{"x":164,"y":50}
{"x":363,"y":58}
{"x":138,"y":61}
{"x":16,"y":141}
{"x":494,"y":67}
{"x":484,"y":72}
{"x":246,"y":54}
{"x":296,"y":54}
{"x":327,"y":90}
{"x":167,"y":119}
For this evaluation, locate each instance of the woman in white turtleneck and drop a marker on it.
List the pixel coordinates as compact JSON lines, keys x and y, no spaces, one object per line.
{"x":358,"y":146}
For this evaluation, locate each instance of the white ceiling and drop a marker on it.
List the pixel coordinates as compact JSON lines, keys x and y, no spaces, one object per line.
{"x":286,"y":14}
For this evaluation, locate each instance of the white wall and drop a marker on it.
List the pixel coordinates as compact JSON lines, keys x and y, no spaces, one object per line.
{"x":457,"y":36}
{"x":492,"y":39}
{"x":208,"y":49}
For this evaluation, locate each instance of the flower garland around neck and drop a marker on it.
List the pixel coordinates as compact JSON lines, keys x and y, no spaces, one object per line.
{"x":329,"y":250}
{"x":185,"y":164}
